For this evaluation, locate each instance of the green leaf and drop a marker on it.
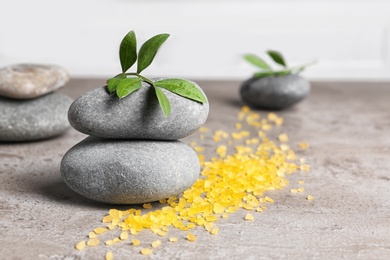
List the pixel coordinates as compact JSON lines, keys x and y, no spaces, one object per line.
{"x":112,"y":83}
{"x":283,"y":72}
{"x":127,"y":86}
{"x":128,"y":51}
{"x":277,"y":57}
{"x":300,"y":68}
{"x":149,"y":50}
{"x":264,"y":74}
{"x":257,"y":61}
{"x":183,"y":88}
{"x":163,"y":100}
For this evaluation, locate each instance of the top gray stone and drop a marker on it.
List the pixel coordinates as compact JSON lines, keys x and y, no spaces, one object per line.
{"x":25,"y":81}
{"x":137,"y":116}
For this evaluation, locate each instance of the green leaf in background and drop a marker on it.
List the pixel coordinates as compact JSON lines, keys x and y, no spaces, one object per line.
{"x":127,"y":86}
{"x":257,"y":61}
{"x":163,"y":101}
{"x":283,"y":72}
{"x":149,"y":50}
{"x":263,"y":74}
{"x":128,"y":51}
{"x":112,"y":83}
{"x":182,"y":88}
{"x":300,"y":68}
{"x":277,"y":57}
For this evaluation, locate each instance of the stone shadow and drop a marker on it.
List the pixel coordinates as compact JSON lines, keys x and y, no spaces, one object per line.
{"x":58,"y":191}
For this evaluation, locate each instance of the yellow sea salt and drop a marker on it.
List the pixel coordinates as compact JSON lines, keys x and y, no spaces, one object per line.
{"x":278,"y":121}
{"x":218,"y":208}
{"x":156,"y":243}
{"x":305,"y":167}
{"x":116,"y":214}
{"x":269,"y":200}
{"x":240,"y":135}
{"x":280,"y":173}
{"x":249,"y":217}
{"x":245,"y":109}
{"x":81,"y":245}
{"x":284,"y":147}
{"x":162,"y":233}
{"x":100,"y":230}
{"x":252,"y":141}
{"x":266,"y":127}
{"x":135,"y":242}
{"x":198,"y":149}
{"x":219,"y":135}
{"x":283,"y":138}
{"x":221,"y":150}
{"x":111,"y":226}
{"x":147,"y":206}
{"x":109,"y":256}
{"x":211,"y":218}
{"x":146,"y":251}
{"x":204,"y":129}
{"x":191,"y":237}
{"x":173,"y":239}
{"x":124,"y":235}
{"x":107,"y":219}
{"x":275,"y":119}
{"x":109,"y":242}
{"x":92,"y":235}
{"x":303,"y":145}
{"x":93,"y":242}
{"x":214,"y":231}
{"x":272,"y":116}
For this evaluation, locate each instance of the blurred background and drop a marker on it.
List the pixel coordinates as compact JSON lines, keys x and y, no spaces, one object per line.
{"x":349,"y":38}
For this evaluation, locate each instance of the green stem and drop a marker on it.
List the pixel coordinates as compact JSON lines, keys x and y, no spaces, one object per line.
{"x":141,"y":77}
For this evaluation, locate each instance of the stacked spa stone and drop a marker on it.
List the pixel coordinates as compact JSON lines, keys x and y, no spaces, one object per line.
{"x":30,"y":107}
{"x":132,"y":154}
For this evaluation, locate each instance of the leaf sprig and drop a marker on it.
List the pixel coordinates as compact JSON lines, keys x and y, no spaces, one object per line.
{"x":126,"y":83}
{"x":277,"y":57}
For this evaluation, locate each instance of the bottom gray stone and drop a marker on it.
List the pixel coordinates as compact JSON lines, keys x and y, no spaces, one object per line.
{"x":129,"y":171}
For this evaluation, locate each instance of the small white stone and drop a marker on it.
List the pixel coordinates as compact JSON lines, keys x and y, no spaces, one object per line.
{"x":26,"y":81}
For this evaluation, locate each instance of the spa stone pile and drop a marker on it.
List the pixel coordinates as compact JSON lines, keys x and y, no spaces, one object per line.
{"x":31,"y":109}
{"x":132,"y":154}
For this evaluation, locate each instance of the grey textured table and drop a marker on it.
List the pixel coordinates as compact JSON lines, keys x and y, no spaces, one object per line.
{"x":348,"y":128}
